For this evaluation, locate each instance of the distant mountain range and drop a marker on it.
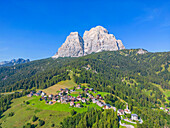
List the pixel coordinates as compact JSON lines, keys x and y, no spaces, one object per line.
{"x":13,"y":62}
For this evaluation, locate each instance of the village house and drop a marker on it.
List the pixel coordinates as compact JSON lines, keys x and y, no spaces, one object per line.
{"x":134,"y":117}
{"x":161,"y":108}
{"x":91,"y":89}
{"x":60,"y":93}
{"x":107,"y":106}
{"x":83,"y":100}
{"x":78,"y":86}
{"x":79,"y":97}
{"x":50,"y":102}
{"x":62,"y":99}
{"x":166,"y":109}
{"x":30,"y":95}
{"x":73,"y":99}
{"x":40,"y":92}
{"x":114,"y":108}
{"x":71,"y":90}
{"x":90,"y":96}
{"x":168,"y":113}
{"x":67,"y":99}
{"x":43,"y":94}
{"x":42,"y":97}
{"x":72,"y":103}
{"x":127,"y":106}
{"x":37,"y":94}
{"x":86,"y":89}
{"x":49,"y":98}
{"x":55,"y":99}
{"x":120,"y":112}
{"x":78,"y":105}
{"x":127,"y":111}
{"x":66,"y":90}
{"x":51,"y":95}
{"x":56,"y":96}
{"x":87,"y":94}
{"x":32,"y":92}
{"x":99,"y":97}
{"x":45,"y":98}
{"x":99,"y":103}
{"x":94,"y":100}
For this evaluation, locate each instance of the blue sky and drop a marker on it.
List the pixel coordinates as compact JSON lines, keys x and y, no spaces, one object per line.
{"x":35,"y":29}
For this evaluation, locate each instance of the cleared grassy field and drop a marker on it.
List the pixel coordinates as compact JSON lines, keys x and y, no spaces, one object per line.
{"x":24,"y":113}
{"x":169,"y":68}
{"x":163,"y":69}
{"x":7,"y":93}
{"x":63,"y":84}
{"x":74,"y":94}
{"x":35,"y":103}
{"x":101,"y":93}
{"x":165,"y":92}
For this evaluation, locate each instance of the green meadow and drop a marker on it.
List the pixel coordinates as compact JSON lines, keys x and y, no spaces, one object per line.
{"x":23,"y":114}
{"x":51,"y":114}
{"x":35,"y":103}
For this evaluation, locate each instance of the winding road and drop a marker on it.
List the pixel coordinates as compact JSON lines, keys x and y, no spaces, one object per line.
{"x":125,"y":125}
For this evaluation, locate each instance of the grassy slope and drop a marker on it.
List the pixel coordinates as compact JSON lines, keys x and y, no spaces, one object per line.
{"x":35,"y":103}
{"x":49,"y":113}
{"x":24,"y":114}
{"x":63,"y":84}
{"x":169,"y":68}
{"x":163,"y":69}
{"x":165,"y":92}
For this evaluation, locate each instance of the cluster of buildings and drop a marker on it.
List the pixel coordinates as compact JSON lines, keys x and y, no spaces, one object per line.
{"x":64,"y":97}
{"x":121,"y":112}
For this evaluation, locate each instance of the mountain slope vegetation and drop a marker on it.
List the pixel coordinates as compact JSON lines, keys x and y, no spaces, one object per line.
{"x":142,"y":80}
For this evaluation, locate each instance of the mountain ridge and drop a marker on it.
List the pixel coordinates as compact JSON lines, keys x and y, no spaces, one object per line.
{"x":97,"y":39}
{"x":13,"y":62}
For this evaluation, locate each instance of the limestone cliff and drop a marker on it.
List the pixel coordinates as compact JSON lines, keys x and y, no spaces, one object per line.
{"x":96,"y":39}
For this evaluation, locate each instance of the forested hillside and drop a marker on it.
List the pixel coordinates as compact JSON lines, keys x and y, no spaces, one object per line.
{"x":142,"y":80}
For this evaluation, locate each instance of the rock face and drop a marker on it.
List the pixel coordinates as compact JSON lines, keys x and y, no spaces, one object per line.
{"x":72,"y":47}
{"x":141,"y":51}
{"x":96,"y":40}
{"x":13,"y":62}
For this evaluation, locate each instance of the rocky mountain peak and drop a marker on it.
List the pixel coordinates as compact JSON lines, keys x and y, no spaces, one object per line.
{"x":141,"y":51}
{"x":99,"y":29}
{"x":97,"y":39}
{"x":13,"y":62}
{"x":72,"y":47}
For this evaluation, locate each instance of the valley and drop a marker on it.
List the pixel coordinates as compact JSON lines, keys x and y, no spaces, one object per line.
{"x":127,"y":78}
